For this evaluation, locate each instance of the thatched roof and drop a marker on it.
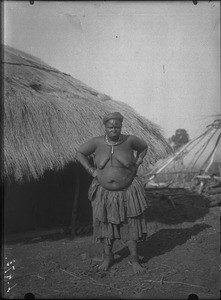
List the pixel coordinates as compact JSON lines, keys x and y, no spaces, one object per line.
{"x":48,"y":114}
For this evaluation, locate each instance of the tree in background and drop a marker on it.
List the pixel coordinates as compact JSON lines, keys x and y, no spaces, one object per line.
{"x":180,"y":138}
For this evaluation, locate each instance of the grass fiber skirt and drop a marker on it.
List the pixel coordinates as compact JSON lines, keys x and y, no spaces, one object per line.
{"x":118,"y":214}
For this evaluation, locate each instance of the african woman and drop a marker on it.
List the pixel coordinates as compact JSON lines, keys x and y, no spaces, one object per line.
{"x":116,"y":193}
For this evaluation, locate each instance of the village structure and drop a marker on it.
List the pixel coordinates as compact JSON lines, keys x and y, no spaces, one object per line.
{"x":47,"y":229}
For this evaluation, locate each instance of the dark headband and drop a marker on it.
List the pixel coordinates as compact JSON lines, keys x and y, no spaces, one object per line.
{"x":114,"y":115}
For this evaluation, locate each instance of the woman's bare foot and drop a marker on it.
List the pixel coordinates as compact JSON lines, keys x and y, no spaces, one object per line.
{"x":137,"y":268}
{"x":105,"y":265}
{"x":108,"y":260}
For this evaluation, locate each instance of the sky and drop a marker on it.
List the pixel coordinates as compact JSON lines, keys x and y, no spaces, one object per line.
{"x":160,"y":57}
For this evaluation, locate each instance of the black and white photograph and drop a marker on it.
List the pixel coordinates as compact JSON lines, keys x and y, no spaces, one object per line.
{"x":111,"y":150}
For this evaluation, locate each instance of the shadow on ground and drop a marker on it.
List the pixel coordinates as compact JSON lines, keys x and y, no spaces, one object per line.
{"x":163,"y":241}
{"x":48,"y":238}
{"x":176,"y":209}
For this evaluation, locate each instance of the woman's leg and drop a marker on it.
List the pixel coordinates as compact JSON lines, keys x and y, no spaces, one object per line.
{"x":134,"y":259}
{"x":108,"y":254}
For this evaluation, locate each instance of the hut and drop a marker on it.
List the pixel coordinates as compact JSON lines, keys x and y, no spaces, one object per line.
{"x":199,"y":158}
{"x":47,"y":115}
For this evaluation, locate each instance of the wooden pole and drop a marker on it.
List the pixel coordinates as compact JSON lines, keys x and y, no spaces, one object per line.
{"x":178,"y":153}
{"x":75,"y":201}
{"x":201,"y":150}
{"x":213,"y":153}
{"x":210,"y":159}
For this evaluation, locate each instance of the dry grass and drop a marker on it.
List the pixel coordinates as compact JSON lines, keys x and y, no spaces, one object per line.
{"x":48,"y":114}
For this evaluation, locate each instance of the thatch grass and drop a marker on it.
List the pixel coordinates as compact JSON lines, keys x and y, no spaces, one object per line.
{"x":48,"y":114}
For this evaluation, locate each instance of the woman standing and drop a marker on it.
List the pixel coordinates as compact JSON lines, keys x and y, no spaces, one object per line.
{"x":116,"y":193}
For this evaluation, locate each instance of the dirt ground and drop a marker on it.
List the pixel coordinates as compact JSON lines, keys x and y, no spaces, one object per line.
{"x":181,"y":257}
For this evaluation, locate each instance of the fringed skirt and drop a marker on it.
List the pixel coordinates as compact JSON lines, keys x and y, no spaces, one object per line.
{"x":118,"y":214}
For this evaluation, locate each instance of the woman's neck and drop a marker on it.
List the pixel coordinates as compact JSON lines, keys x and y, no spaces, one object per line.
{"x":114,"y":139}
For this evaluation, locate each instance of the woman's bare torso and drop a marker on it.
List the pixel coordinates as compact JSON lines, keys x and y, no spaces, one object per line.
{"x":115,"y":171}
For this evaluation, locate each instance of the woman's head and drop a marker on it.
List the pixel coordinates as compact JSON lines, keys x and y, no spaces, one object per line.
{"x":113,"y":125}
{"x":113,"y":129}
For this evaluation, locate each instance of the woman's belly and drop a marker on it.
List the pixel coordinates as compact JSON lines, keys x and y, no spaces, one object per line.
{"x":116,"y":178}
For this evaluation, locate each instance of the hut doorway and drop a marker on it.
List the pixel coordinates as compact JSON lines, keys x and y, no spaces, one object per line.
{"x":48,"y":202}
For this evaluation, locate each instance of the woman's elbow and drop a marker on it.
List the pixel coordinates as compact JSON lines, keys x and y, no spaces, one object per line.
{"x":78,"y":155}
{"x":145,"y":146}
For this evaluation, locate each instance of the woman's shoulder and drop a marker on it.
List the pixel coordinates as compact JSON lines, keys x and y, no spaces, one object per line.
{"x":133,"y":139}
{"x":127,"y":137}
{"x":100,"y":137}
{"x":97,"y":139}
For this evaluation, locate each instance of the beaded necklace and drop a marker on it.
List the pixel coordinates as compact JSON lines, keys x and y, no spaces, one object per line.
{"x":112,"y":144}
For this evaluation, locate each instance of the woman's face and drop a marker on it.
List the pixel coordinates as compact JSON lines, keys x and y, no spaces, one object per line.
{"x":113,"y":129}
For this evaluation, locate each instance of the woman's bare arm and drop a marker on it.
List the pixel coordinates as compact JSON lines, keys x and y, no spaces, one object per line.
{"x":82,"y":154}
{"x":141,"y":147}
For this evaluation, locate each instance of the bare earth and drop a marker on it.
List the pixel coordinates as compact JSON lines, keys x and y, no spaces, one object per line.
{"x":178,"y":261}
